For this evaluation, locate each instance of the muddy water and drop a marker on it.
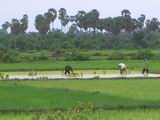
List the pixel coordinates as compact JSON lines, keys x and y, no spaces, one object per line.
{"x":81,"y":76}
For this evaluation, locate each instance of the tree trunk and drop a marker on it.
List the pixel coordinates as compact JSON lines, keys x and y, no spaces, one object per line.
{"x":101,"y":32}
{"x":52,"y":26}
{"x":94,"y":31}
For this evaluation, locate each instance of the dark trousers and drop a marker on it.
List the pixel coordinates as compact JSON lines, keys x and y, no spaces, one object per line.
{"x":145,"y":70}
{"x":123,"y":71}
{"x":67,"y":72}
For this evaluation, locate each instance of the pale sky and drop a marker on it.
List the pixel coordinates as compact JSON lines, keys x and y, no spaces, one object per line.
{"x":16,"y":8}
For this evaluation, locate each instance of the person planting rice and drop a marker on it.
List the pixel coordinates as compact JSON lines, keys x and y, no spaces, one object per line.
{"x":145,"y":67}
{"x":68,"y":70}
{"x":123,"y":68}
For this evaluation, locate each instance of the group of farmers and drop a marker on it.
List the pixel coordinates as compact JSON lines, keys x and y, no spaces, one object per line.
{"x":122,"y":67}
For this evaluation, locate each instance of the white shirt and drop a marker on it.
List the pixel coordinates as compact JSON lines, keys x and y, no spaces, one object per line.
{"x":122,"y":65}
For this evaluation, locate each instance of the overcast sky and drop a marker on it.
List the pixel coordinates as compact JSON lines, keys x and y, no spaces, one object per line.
{"x":16,"y":8}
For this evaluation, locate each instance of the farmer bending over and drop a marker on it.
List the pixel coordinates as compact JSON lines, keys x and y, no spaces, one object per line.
{"x":122,"y":68}
{"x":68,"y":70}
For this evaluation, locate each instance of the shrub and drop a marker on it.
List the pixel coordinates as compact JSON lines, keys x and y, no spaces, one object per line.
{"x":43,"y":56}
{"x":97,"y":54}
{"x":76,"y":56}
{"x":9,"y":56}
{"x":131,"y":56}
{"x":58,"y":52}
{"x":141,"y":53}
{"x":27,"y":58}
{"x":2,"y":47}
{"x":156,"y":57}
{"x":117,"y":56}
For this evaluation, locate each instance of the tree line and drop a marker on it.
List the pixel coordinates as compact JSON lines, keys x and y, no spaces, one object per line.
{"x":87,"y":31}
{"x":86,"y":21}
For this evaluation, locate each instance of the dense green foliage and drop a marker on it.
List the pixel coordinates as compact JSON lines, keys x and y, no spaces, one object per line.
{"x":15,"y":56}
{"x":121,"y":32}
{"x":57,"y":40}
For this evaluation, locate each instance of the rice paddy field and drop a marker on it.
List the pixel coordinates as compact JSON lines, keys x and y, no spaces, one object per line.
{"x":61,"y":72}
{"x":96,"y":99}
{"x":134,"y":65}
{"x":120,"y":99}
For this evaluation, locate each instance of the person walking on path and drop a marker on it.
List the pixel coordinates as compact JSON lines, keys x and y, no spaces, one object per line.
{"x":145,"y":66}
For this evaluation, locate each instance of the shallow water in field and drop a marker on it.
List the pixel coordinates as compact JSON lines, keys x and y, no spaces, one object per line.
{"x":83,"y":76}
{"x":61,"y":72}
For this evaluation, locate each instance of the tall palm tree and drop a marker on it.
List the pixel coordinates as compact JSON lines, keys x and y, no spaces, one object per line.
{"x":100,"y":25}
{"x":24,"y":23}
{"x":72,"y":19}
{"x":48,"y":17}
{"x":125,"y":13}
{"x":54,"y":16}
{"x":127,"y":21}
{"x":93,"y":17}
{"x":117,"y":25}
{"x":80,"y":19}
{"x":152,"y":25}
{"x":108,"y":23}
{"x":5,"y":26}
{"x":66,"y":21}
{"x":62,"y":14}
{"x":141,"y":20}
{"x":41,"y":24}
{"x":15,"y":27}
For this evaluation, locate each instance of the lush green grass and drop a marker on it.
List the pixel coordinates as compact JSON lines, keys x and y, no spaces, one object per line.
{"x":154,"y":65}
{"x":64,"y":94}
{"x":25,"y":95}
{"x":138,"y":114}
